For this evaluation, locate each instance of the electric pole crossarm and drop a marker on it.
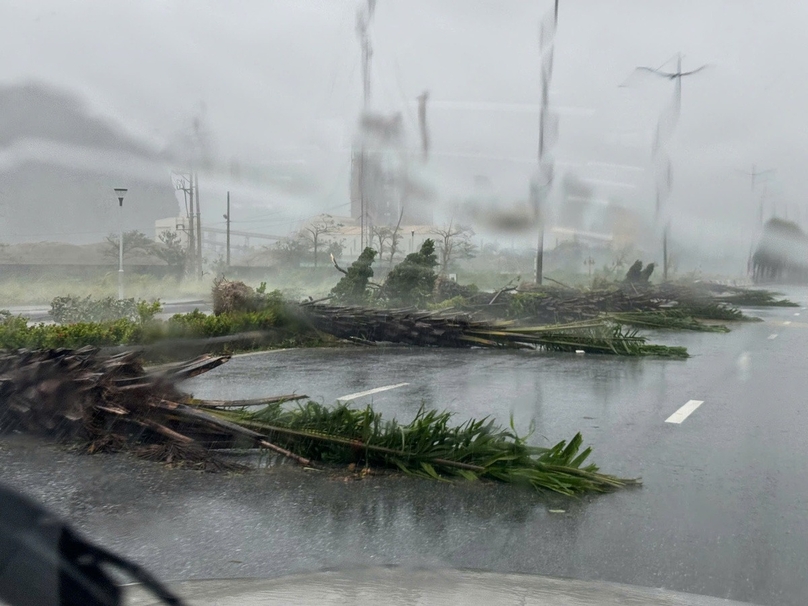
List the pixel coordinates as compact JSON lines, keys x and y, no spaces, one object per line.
{"x":672,"y":75}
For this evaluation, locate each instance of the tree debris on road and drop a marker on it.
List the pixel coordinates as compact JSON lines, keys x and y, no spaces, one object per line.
{"x":450,"y":329}
{"x":107,"y":404}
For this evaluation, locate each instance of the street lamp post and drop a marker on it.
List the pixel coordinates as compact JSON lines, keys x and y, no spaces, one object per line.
{"x":120,"y":192}
{"x":227,"y":218}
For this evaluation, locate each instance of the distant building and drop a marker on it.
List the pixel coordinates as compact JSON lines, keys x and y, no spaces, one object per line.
{"x":177,"y":225}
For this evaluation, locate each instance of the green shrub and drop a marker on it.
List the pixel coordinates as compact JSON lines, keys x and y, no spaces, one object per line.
{"x":13,"y":331}
{"x":72,"y":309}
{"x":146,"y":310}
{"x":17,"y":333}
{"x":197,"y":324}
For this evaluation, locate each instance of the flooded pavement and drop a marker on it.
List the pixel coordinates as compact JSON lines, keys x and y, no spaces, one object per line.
{"x":721,"y":512}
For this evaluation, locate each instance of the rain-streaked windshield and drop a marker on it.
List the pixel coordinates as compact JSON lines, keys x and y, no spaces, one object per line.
{"x":405,"y":297}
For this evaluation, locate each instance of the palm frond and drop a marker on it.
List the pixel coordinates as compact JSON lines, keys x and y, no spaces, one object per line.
{"x":429,"y":446}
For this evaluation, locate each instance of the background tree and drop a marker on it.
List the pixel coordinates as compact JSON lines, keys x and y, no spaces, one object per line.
{"x":316,"y":229}
{"x":171,"y":250}
{"x":133,"y":241}
{"x":454,"y":243}
{"x":411,"y":281}
{"x":387,"y":239}
{"x":218,"y":267}
{"x":290,"y":252}
{"x":395,"y":238}
{"x":353,"y":287}
{"x":383,"y":236}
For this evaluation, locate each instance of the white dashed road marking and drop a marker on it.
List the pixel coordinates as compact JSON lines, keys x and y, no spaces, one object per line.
{"x":359,"y":394}
{"x":772,"y":336}
{"x":787,"y":322}
{"x":684,"y":412}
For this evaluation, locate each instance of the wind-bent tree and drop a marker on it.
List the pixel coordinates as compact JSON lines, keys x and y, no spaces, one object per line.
{"x":353,"y":287}
{"x":171,"y":250}
{"x":411,"y":281}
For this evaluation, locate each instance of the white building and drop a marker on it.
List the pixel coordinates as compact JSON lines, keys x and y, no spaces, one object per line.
{"x":177,"y":225}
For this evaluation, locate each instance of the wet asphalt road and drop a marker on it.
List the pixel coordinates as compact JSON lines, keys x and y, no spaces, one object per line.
{"x":721,"y":512}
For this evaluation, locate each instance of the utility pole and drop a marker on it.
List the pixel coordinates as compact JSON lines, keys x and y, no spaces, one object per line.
{"x":659,"y":151}
{"x":191,"y":224}
{"x":195,"y":187}
{"x":185,"y":184}
{"x":362,"y":199}
{"x":422,"y":99}
{"x":227,"y":218}
{"x":363,"y":19}
{"x":548,"y":126}
{"x":753,"y":175}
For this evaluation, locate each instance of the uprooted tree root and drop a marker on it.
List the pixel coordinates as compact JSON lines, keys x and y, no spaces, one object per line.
{"x":110,"y":404}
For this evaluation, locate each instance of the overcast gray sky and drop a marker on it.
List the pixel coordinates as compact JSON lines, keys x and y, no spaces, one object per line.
{"x":279,"y":81}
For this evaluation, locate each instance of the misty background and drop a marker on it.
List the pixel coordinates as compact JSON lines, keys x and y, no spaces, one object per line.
{"x":265,"y":96}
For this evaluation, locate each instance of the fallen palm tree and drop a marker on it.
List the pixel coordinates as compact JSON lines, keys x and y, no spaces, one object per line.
{"x":114,"y":404}
{"x":555,"y":305}
{"x":755,"y":298}
{"x":428,"y":446}
{"x":664,"y":319}
{"x":440,"y":329}
{"x":667,"y":305}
